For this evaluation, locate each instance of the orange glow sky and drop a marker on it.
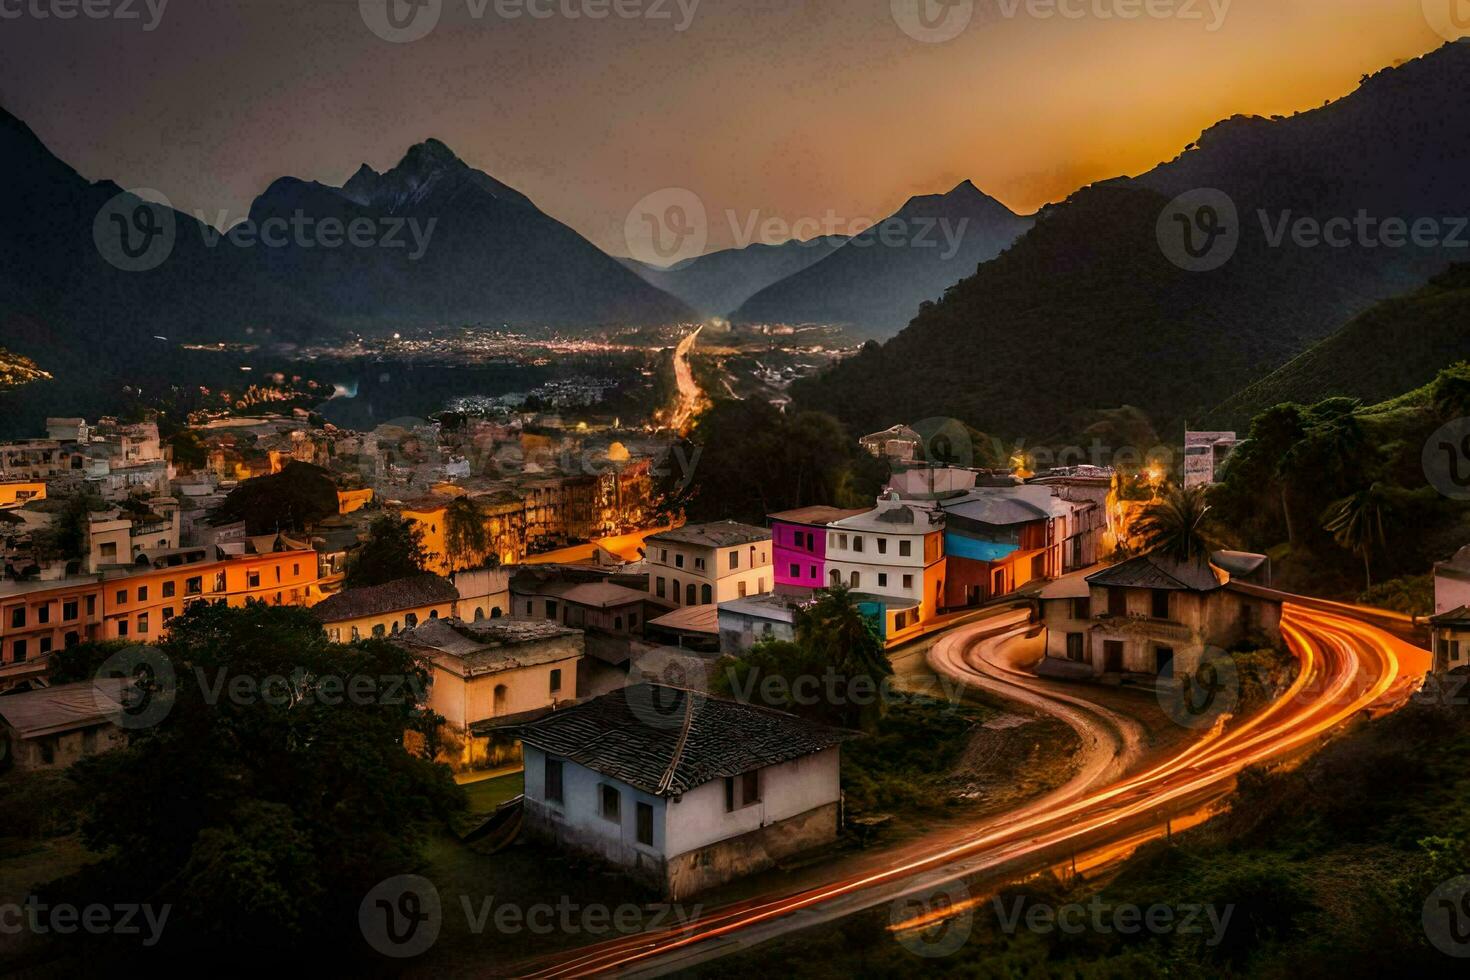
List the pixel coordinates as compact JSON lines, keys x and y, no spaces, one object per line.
{"x":777,"y":108}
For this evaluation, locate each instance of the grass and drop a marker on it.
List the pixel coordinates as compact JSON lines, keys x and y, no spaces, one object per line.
{"x":485,"y":795}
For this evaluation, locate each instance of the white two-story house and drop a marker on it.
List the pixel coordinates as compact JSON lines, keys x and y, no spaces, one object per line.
{"x":893,"y":558}
{"x":705,"y":564}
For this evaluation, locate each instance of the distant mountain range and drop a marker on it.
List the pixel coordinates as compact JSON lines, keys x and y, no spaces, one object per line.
{"x":875,"y":282}
{"x":716,"y":284}
{"x":1086,"y":311}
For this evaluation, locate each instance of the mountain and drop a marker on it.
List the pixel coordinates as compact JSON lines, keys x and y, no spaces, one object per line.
{"x":1425,"y":331}
{"x":449,"y":243}
{"x":875,"y":282}
{"x":1087,"y":312}
{"x":717,"y":283}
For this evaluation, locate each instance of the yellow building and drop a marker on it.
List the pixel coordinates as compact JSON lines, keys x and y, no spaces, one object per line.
{"x":18,"y":493}
{"x":389,"y":609}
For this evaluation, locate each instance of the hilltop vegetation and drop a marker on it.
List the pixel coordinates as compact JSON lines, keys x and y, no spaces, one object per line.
{"x":1397,"y":345}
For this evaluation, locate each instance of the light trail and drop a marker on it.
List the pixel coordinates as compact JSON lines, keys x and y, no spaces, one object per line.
{"x":1347,"y":668}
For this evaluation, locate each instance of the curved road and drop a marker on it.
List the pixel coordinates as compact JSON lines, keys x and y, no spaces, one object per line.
{"x":1348,"y":668}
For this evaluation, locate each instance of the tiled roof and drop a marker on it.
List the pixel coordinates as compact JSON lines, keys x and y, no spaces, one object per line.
{"x":405,"y":593}
{"x":1158,"y":572}
{"x":667,"y":741}
{"x":690,"y":619}
{"x":489,"y":646}
{"x":722,"y":534}
{"x":818,"y":516}
{"x":1459,"y":616}
{"x":64,"y":707}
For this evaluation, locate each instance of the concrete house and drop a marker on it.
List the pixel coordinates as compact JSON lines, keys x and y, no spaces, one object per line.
{"x":1149,"y":616}
{"x":52,"y":727}
{"x":799,"y":545}
{"x":1450,"y":625}
{"x":682,"y":790}
{"x":705,"y":564}
{"x":893,"y":557}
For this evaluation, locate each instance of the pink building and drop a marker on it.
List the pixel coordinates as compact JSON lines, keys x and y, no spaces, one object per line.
{"x":799,"y":542}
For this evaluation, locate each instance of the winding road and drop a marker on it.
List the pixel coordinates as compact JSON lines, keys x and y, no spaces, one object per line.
{"x":1348,"y":668}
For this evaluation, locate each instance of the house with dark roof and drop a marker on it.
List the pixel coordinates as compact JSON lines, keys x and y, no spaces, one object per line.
{"x":52,"y":727}
{"x":1449,"y":627}
{"x":385,"y":610}
{"x":1150,"y":616}
{"x":705,"y":564}
{"x":682,"y":790}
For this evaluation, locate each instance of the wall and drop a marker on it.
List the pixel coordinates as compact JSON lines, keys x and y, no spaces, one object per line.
{"x":464,"y":702}
{"x":578,"y":821}
{"x":788,"y":548}
{"x":66,"y":747}
{"x":385,"y":624}
{"x":752,"y":576}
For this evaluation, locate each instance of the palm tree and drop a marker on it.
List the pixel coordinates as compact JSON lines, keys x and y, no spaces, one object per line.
{"x":1356,"y":522}
{"x":465,"y":538}
{"x":1177,"y":525}
{"x":835,"y":632}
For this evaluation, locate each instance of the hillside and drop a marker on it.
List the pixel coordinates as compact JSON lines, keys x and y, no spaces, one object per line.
{"x":718,"y":283}
{"x":1086,"y":312}
{"x":876,"y":281}
{"x":1397,"y":345}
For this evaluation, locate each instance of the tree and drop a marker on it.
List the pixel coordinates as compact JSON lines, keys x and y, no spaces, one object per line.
{"x":465,"y":536}
{"x":271,"y":789}
{"x":188,"y":451}
{"x":1177,"y":525}
{"x":291,"y":500}
{"x":1356,"y":523}
{"x":836,"y":632}
{"x":394,"y":550}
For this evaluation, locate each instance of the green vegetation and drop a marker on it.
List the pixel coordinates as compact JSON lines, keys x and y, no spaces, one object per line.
{"x":1412,"y":594}
{"x":393,"y":550}
{"x":904,"y":763}
{"x":291,"y":500}
{"x":1325,"y":869}
{"x":466,"y":538}
{"x":744,"y":460}
{"x":1178,"y":525}
{"x":261,"y":810}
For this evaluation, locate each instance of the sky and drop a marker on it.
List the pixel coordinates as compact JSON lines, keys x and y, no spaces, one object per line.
{"x":773,"y":114}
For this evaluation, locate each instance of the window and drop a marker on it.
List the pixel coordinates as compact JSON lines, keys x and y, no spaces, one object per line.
{"x":219,"y":581}
{"x":663,"y":555}
{"x":740,"y":589}
{"x":556,"y":680}
{"x":690,"y":598}
{"x":706,"y":595}
{"x":617,"y":624}
{"x":45,"y":644}
{"x":632,"y":620}
{"x":252,"y":579}
{"x":1161,"y":604}
{"x":550,"y":609}
{"x":882,"y":546}
{"x":554,"y":791}
{"x":676,"y":593}
{"x":1076,"y":644}
{"x":17,"y":617}
{"x":380,"y":630}
{"x":528,"y":609}
{"x":882,"y":580}
{"x":69,"y":610}
{"x":699,"y":564}
{"x":91,"y":605}
{"x":122,"y":597}
{"x":142,"y":593}
{"x":296,"y":568}
{"x":905,"y":549}
{"x":612,"y":804}
{"x":43,"y":613}
{"x":168,"y":613}
{"x":908,"y":581}
{"x":678,"y":561}
{"x":18,"y":651}
{"x":743,"y":790}
{"x":854,"y":580}
{"x":122,"y":627}
{"x":734,"y":559}
{"x":857,"y":543}
{"x":658,"y":587}
{"x":645,"y":824}
{"x":142,"y":623}
{"x":1082,"y":608}
{"x":795,"y":571}
{"x":194,"y":586}
{"x":410,"y":620}
{"x":109,"y":549}
{"x":168,"y":590}
{"x":1117,"y":602}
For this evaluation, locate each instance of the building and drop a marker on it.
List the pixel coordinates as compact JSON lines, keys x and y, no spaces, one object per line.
{"x":117,"y":538}
{"x":590,"y":605}
{"x":18,"y":493}
{"x":705,"y":564}
{"x":755,"y":619}
{"x":1000,"y":538}
{"x":799,"y":545}
{"x":52,"y":727}
{"x":491,"y":670}
{"x":899,"y":443}
{"x":893,"y":558}
{"x":1449,"y":627}
{"x":1204,"y":456}
{"x":387,"y":609}
{"x":681,"y":790}
{"x":1150,"y":616}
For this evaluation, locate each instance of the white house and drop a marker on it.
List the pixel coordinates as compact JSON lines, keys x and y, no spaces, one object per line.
{"x":683,"y":790}
{"x":893,"y":555}
{"x":704,"y":564}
